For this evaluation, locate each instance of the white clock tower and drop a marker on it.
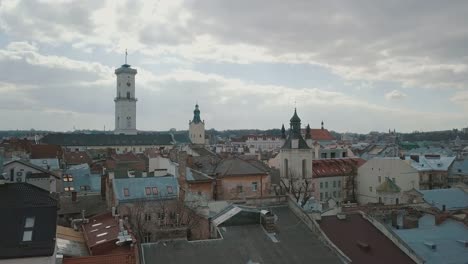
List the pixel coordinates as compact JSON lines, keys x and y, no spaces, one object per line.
{"x":125,"y":101}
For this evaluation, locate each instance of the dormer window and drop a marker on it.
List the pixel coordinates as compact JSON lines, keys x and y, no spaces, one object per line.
{"x":28,"y":228}
{"x":169,"y":189}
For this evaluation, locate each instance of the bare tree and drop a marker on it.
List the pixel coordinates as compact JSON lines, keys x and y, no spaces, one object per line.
{"x":299,"y":188}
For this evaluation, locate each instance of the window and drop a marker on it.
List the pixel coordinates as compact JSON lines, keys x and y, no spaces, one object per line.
{"x":69,"y":189}
{"x":344,"y":155}
{"x":148,"y":191}
{"x":128,"y":95}
{"x":169,"y":189}
{"x":68,"y":178}
{"x":321,"y":196}
{"x":147,"y":217}
{"x":326,"y":194}
{"x":85,"y":187}
{"x":370,"y":188}
{"x":44,"y":161}
{"x":334,"y":193}
{"x":254,"y":186}
{"x":380,"y":179}
{"x":161,"y":215}
{"x":239,"y":188}
{"x":334,"y":184}
{"x":129,"y":123}
{"x":29,"y":223}
{"x":12,"y":174}
{"x":321,"y":185}
{"x":27,"y":235}
{"x":304,"y":168}
{"x":326,"y":184}
{"x":28,"y":228}
{"x":147,"y":238}
{"x":323,"y":155}
{"x":155,"y":190}
{"x":333,"y":155}
{"x":339,"y":183}
{"x":126,"y":192}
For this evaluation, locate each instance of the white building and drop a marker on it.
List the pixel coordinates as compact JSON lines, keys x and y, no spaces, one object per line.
{"x":295,"y":155}
{"x":22,"y":171}
{"x":384,"y":180}
{"x":197,"y":128}
{"x":125,"y":101}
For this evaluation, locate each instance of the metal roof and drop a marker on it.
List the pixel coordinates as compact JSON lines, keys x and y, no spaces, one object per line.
{"x":137,"y":188}
{"x":453,"y":199}
{"x":444,"y":236}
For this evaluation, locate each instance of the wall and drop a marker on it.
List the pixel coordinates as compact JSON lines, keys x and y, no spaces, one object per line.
{"x":203,"y":188}
{"x":48,"y":164}
{"x":227,"y":187}
{"x":328,"y":189}
{"x":197,"y":133}
{"x":161,"y":163}
{"x":439,"y":179}
{"x":295,"y":157}
{"x":406,"y":178}
{"x":47,"y":183}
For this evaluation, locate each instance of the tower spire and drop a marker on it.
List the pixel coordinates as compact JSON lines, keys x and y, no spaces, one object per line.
{"x":126,"y":54}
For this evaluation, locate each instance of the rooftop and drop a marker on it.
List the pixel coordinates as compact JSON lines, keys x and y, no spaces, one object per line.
{"x":77,"y":157}
{"x":46,"y":151}
{"x":445,"y":237}
{"x":29,"y":221}
{"x":64,"y":139}
{"x":147,"y":188}
{"x":361,"y":241}
{"x":237,"y":167}
{"x":453,"y":199}
{"x":431,"y":163}
{"x":294,"y":243}
{"x":334,"y":167}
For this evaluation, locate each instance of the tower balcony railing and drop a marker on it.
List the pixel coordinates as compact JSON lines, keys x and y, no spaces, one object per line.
{"x":122,"y":98}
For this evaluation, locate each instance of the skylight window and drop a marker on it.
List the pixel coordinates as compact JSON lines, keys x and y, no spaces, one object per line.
{"x":27,"y":235}
{"x":101,"y":234}
{"x":29,"y":223}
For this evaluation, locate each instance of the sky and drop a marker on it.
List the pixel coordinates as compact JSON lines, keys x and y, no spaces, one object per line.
{"x":359,"y":66}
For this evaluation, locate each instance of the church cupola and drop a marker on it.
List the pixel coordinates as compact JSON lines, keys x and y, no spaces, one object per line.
{"x":196,"y":115}
{"x":295,"y":123}
{"x":283,"y":132}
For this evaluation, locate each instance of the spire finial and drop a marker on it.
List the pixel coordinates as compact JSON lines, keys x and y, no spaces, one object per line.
{"x":322,"y":124}
{"x":126,"y":53}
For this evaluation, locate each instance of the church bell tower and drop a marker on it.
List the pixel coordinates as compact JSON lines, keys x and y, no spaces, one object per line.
{"x":197,"y":128}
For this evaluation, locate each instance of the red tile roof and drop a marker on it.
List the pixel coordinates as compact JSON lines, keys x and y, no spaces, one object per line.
{"x":77,"y":157}
{"x":101,"y":229}
{"x":103,"y":259}
{"x":321,"y":134}
{"x":351,"y":235}
{"x":45,"y":151}
{"x":334,"y":167}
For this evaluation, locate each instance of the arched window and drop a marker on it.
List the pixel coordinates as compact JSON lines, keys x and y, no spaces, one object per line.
{"x":304,"y":168}
{"x":128,"y":95}
{"x":129,"y":122}
{"x":286,"y":168}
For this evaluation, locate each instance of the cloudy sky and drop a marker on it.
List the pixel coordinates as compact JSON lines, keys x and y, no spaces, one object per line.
{"x":357,"y":65}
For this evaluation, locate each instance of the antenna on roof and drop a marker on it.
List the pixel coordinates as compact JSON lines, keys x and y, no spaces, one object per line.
{"x":126,"y":53}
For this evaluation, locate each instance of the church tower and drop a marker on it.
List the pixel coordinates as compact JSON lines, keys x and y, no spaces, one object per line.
{"x":125,"y":101}
{"x":197,"y":128}
{"x":296,"y":156}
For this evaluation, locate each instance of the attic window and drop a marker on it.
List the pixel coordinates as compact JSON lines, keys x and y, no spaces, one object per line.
{"x":155,"y":190}
{"x":169,"y":189}
{"x":148,"y":191}
{"x":28,"y":228}
{"x":126,"y":192}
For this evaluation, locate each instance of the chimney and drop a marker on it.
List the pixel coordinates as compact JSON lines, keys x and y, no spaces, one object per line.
{"x":182,"y":173}
{"x":415,"y":158}
{"x":74,"y":193}
{"x":189,"y":160}
{"x":440,"y":218}
{"x":410,"y":221}
{"x":443,"y":208}
{"x":394,"y":216}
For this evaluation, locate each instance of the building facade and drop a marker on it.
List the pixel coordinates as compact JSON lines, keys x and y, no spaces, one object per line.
{"x":372,"y":184}
{"x":125,"y":101}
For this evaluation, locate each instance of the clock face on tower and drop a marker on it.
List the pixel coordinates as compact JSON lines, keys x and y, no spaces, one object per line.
{"x":128,"y":84}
